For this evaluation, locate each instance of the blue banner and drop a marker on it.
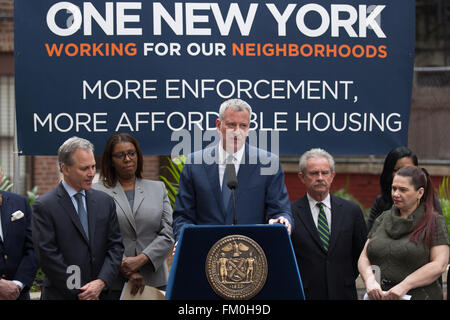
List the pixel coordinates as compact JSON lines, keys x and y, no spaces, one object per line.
{"x":330,"y":74}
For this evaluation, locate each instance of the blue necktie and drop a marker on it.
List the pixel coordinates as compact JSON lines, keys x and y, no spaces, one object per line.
{"x":82,"y":213}
{"x":322,"y":226}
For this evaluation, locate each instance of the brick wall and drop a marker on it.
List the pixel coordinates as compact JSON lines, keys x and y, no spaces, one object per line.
{"x":46,"y":174}
{"x":151,"y":167}
{"x":364,"y":187}
{"x":6,"y":26}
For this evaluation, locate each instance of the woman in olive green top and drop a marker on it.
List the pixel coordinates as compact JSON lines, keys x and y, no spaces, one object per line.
{"x":409,"y":243}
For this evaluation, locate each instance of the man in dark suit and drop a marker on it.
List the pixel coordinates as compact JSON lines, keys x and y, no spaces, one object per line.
{"x":75,"y":230}
{"x":329,"y":232}
{"x":18,"y":264}
{"x":261,"y":197}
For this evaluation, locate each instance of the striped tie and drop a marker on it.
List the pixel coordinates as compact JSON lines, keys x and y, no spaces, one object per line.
{"x":322,"y":225}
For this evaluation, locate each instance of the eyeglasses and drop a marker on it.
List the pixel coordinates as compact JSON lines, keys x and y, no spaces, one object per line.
{"x":122,"y":156}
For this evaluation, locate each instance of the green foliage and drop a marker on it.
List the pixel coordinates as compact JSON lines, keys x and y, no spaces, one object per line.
{"x":444,"y":191}
{"x":172,"y":183}
{"x":343,"y":193}
{"x":444,"y":198}
{"x":446,"y":211}
{"x":32,"y":195}
{"x":6,"y":184}
{"x":38,"y":280}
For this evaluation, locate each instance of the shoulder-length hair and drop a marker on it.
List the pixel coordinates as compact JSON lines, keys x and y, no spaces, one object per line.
{"x":428,"y":223}
{"x":386,"y":176}
{"x":108,"y":173}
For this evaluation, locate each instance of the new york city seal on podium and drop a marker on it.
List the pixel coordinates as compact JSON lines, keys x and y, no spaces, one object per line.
{"x":236,"y":267}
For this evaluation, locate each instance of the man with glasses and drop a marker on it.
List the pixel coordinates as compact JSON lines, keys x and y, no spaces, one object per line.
{"x":75,"y":230}
{"x":329,"y":232}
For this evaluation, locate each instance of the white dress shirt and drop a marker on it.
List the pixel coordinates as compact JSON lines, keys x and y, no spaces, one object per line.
{"x":315,"y":209}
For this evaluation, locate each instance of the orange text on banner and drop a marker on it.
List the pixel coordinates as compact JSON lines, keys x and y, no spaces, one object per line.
{"x":91,"y":49}
{"x":309,"y":50}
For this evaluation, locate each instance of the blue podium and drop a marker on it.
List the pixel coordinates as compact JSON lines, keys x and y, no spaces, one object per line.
{"x":209,"y":247}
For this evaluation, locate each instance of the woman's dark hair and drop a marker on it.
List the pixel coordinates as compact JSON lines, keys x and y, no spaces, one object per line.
{"x":108,"y":172}
{"x":428,"y":223}
{"x":388,"y":169}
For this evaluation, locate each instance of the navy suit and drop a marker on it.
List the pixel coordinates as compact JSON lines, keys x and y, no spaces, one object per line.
{"x":17,"y":258}
{"x":258,"y":197}
{"x":60,"y":241}
{"x":329,"y":275}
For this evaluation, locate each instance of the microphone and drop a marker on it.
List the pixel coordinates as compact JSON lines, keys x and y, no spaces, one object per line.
{"x":232,"y":183}
{"x":230,"y":173}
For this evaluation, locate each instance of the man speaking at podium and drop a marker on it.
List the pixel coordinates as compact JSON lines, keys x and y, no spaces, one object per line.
{"x":204,"y":196}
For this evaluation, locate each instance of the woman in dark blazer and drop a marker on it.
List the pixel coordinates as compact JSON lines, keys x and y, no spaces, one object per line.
{"x":144,"y":213}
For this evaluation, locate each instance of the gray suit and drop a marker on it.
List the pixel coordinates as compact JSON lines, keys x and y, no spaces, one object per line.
{"x":147,"y":228}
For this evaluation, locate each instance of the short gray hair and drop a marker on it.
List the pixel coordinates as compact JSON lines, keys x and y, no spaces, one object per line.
{"x":235,"y":104}
{"x":69,"y":146}
{"x":315,"y":153}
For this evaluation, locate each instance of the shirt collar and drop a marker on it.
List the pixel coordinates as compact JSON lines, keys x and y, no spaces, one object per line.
{"x":223,"y":154}
{"x":326,"y":202}
{"x":71,"y":191}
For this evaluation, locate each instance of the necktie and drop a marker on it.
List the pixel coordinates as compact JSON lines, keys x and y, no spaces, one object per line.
{"x":322,"y":226}
{"x":226,"y":192}
{"x":82,"y":213}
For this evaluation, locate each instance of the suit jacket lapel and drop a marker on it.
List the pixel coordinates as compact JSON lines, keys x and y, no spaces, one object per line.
{"x":249,"y":163}
{"x":123,"y":204}
{"x":138,"y":196}
{"x":68,"y":208}
{"x":305,"y":216}
{"x":92,"y":208}
{"x":336,"y":221}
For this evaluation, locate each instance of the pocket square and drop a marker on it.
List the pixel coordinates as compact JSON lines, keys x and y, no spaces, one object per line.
{"x":17,"y":215}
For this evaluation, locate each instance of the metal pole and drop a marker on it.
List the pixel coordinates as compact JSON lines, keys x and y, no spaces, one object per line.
{"x":16,"y":166}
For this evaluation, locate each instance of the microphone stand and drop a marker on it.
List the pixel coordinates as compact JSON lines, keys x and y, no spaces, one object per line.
{"x":234,"y":207}
{"x":232,"y":184}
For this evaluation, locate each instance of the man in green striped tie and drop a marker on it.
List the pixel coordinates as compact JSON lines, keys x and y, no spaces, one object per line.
{"x":329,"y":232}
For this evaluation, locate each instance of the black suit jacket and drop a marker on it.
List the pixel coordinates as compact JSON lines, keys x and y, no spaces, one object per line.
{"x":329,"y":275}
{"x":60,"y":241}
{"x":17,"y":258}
